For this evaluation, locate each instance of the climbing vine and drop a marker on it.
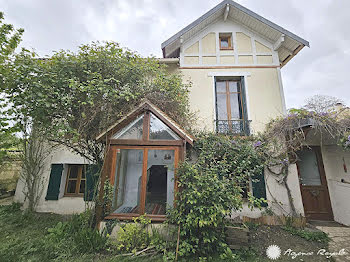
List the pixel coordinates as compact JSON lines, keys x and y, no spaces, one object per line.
{"x":212,"y":184}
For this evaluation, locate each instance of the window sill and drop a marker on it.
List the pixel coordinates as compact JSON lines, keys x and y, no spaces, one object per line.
{"x":73,"y":196}
{"x":228,"y":48}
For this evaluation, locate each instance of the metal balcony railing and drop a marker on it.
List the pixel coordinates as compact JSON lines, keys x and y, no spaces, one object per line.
{"x":233,"y":127}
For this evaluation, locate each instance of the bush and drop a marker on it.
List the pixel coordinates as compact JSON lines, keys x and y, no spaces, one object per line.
{"x":133,"y":236}
{"x":210,"y":188}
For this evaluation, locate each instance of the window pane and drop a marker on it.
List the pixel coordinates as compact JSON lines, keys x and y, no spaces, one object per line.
{"x":74,"y":169}
{"x":224,"y":42}
{"x":159,"y":131}
{"x":132,"y":131}
{"x":160,"y":181}
{"x":127,"y":184}
{"x":308,"y":168}
{"x":71,"y":186}
{"x":235,"y":104}
{"x":233,"y":86}
{"x":221,"y":106}
{"x":221,"y":86}
{"x":82,"y":186}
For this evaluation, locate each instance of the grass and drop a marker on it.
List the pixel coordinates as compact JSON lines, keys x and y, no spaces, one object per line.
{"x":317,"y":236}
{"x":25,"y":238}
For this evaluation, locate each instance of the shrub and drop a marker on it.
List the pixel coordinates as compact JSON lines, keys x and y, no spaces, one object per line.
{"x":133,"y":236}
{"x":210,"y":188}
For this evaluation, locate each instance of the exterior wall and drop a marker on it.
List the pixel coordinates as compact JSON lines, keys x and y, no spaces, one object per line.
{"x":64,"y":205}
{"x":249,"y":48}
{"x":277,"y":196}
{"x":263,"y":93}
{"x":334,"y":158}
{"x":252,"y":57}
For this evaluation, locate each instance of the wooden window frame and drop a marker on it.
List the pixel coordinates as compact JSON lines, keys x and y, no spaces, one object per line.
{"x":79,"y":179}
{"x":112,"y":176}
{"x":227,"y":36}
{"x":228,"y":100}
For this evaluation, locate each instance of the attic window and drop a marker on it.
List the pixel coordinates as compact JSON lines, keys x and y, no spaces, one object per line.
{"x":225,"y":40}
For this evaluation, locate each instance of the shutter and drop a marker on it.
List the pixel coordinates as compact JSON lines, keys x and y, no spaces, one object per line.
{"x":259,"y":188}
{"x":53,"y":189}
{"x":245,"y":124}
{"x":91,"y":181}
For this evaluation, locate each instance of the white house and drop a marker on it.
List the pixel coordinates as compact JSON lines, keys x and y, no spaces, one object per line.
{"x":233,"y":57}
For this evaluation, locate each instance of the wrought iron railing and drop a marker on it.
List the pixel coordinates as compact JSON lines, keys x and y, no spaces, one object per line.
{"x":233,"y":127}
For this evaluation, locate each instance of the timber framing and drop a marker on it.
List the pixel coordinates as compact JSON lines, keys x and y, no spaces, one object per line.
{"x":144,"y":108}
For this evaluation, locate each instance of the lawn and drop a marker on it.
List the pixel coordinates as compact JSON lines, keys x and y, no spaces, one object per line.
{"x":25,"y":238}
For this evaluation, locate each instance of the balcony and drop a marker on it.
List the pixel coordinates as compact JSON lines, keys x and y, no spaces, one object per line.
{"x":237,"y":127}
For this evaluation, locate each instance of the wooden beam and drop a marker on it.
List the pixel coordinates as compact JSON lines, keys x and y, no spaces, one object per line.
{"x":134,"y":142}
{"x":227,"y":10}
{"x":297,"y":50}
{"x":278,"y":43}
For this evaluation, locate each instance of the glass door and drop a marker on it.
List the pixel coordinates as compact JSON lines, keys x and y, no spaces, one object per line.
{"x":143,"y":180}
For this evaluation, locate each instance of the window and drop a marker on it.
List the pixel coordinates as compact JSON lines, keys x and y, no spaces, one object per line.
{"x":75,"y":185}
{"x":146,"y":127}
{"x":159,"y":131}
{"x":230,"y":107}
{"x":144,"y":181}
{"x":225,"y":40}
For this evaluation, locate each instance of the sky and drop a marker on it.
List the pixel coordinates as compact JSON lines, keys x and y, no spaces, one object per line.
{"x":142,"y":25}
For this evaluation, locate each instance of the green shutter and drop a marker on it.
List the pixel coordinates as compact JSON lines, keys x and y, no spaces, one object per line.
{"x":259,"y":188}
{"x":53,"y":189}
{"x":91,"y":181}
{"x":245,"y":124}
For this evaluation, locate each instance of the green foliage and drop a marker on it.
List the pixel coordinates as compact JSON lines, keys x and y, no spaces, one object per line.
{"x":77,"y":235}
{"x":210,"y":189}
{"x":9,"y":40}
{"x":251,"y":225}
{"x":317,"y":236}
{"x":133,"y":237}
{"x":75,"y":96}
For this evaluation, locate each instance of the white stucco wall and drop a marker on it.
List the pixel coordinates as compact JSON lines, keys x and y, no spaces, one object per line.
{"x":64,"y":205}
{"x":334,"y":158}
{"x":263,"y":92}
{"x":277,"y":197}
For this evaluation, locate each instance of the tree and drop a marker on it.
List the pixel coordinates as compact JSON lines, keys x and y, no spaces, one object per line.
{"x":321,"y":103}
{"x":35,"y":151}
{"x":9,"y":40}
{"x":73,"y":97}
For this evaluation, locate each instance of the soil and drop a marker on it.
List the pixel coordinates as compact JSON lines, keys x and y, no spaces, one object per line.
{"x":264,"y":236}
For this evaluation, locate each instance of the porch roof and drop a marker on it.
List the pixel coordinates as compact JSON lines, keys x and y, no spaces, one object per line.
{"x":146,"y":105}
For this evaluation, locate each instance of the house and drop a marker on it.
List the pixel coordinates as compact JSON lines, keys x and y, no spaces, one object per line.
{"x":233,"y":57}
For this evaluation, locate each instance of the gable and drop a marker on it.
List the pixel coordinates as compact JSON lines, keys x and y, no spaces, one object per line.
{"x":157,"y":125}
{"x":285,"y":43}
{"x":245,"y":48}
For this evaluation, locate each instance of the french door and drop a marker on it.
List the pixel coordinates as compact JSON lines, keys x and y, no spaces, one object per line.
{"x":143,"y":180}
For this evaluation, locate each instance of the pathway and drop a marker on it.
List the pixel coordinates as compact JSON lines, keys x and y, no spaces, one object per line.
{"x":339,"y":235}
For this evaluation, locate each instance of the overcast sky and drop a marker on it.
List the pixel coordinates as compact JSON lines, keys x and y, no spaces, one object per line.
{"x":142,"y":25}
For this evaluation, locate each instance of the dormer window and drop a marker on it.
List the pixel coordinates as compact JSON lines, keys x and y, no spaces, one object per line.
{"x":225,"y":40}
